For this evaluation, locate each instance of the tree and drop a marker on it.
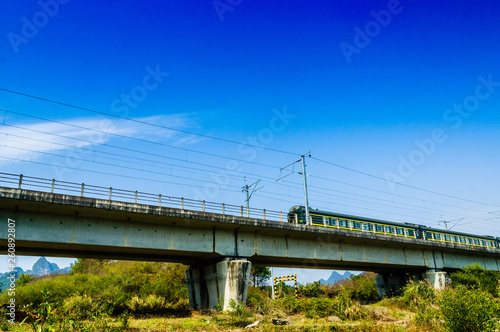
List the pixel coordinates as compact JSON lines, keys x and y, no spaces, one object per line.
{"x":259,"y":275}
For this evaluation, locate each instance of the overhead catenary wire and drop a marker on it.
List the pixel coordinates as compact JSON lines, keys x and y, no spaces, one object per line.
{"x":229,"y":141}
{"x":140,"y":140}
{"x":143,"y":122}
{"x":402,"y":184}
{"x":202,"y":164}
{"x":110,"y":174}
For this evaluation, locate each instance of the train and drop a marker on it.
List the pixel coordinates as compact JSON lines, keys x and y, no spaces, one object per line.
{"x":382,"y":227}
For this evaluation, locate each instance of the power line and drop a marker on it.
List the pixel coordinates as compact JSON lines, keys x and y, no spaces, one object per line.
{"x":111,"y":174}
{"x":402,"y":184}
{"x":394,"y":194}
{"x":118,"y":166}
{"x":205,"y":165}
{"x":133,"y":138}
{"x":219,"y":156}
{"x":144,"y":122}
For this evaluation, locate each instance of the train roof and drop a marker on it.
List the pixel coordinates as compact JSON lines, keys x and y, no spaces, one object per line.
{"x":394,"y":223}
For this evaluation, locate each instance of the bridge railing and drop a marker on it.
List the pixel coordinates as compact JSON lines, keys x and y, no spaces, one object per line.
{"x":137,"y":197}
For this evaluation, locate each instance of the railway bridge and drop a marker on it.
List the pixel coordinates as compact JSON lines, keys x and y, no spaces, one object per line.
{"x":219,"y":242}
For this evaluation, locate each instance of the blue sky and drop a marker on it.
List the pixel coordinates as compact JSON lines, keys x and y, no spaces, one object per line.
{"x":271,"y":73}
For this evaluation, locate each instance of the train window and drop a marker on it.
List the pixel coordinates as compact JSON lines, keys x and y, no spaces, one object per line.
{"x":476,"y":242}
{"x":342,"y":223}
{"x":410,"y":232}
{"x":379,"y":228}
{"x":400,"y":231}
{"x":366,"y":227}
{"x":490,"y":244}
{"x":357,"y":225}
{"x":387,"y":229}
{"x":455,"y":238}
{"x":317,"y":220}
{"x":469,"y":240}
{"x":483,"y":242}
{"x":437,"y":236}
{"x":462,"y":239}
{"x":447,"y":237}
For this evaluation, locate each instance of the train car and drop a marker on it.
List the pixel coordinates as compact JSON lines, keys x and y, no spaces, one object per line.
{"x":384,"y":227}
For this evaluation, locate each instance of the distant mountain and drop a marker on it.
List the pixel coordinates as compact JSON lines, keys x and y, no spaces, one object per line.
{"x":4,"y":282}
{"x":40,"y":268}
{"x":335,"y":277}
{"x":43,"y":267}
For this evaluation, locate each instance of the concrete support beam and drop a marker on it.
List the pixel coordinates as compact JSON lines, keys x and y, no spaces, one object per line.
{"x":227,"y":280}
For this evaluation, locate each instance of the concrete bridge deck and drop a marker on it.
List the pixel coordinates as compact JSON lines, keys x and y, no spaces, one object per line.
{"x":73,"y":226}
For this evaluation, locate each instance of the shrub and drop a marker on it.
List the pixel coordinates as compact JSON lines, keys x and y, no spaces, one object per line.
{"x":149,"y":305}
{"x":80,"y":306}
{"x":416,"y":293}
{"x":258,"y":300}
{"x":468,"y":310}
{"x":238,"y":314}
{"x":359,"y":287}
{"x":289,"y":305}
{"x":313,"y":289}
{"x":474,"y":276}
{"x":320,"y":308}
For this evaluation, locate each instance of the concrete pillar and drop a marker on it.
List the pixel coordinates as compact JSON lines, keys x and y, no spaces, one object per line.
{"x":233,"y":279}
{"x":194,"y":287}
{"x":210,"y":273}
{"x":380,"y":284}
{"x":227,"y":280}
{"x":436,"y":278}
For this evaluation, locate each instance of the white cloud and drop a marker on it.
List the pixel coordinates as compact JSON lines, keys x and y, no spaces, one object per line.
{"x":31,"y":141}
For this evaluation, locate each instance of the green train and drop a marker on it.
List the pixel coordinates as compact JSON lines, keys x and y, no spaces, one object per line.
{"x":383,"y":227}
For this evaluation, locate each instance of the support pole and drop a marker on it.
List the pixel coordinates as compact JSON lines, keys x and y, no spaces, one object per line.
{"x":306,"y":198}
{"x":272,"y":283}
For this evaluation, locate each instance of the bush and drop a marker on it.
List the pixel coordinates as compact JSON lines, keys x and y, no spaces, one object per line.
{"x":258,"y":301}
{"x":468,"y":310}
{"x":359,"y":287}
{"x":341,"y":306}
{"x":417,"y":293}
{"x":289,"y":305}
{"x":80,"y":306}
{"x":474,"y":276}
{"x":313,"y":289}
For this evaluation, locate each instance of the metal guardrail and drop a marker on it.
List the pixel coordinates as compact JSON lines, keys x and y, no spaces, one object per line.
{"x":128,"y":196}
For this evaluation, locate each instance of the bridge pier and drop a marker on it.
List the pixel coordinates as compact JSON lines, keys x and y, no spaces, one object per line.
{"x":226,"y":280}
{"x":436,"y":278}
{"x":389,"y":284}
